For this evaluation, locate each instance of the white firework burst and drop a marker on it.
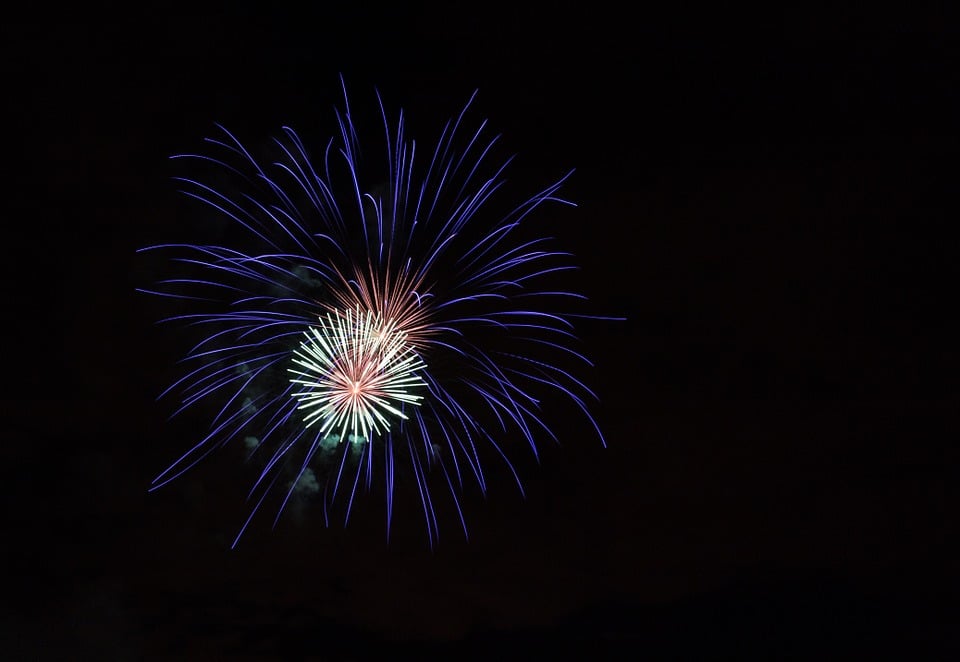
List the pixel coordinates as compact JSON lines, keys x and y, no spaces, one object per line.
{"x":356,"y":372}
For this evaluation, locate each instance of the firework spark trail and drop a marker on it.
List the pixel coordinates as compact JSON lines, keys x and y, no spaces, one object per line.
{"x":317,"y":328}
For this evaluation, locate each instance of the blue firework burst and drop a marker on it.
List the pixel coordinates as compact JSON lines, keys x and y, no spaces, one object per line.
{"x":366,"y":321}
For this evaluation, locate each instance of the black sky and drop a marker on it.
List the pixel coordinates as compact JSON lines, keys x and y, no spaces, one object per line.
{"x":762,"y":195}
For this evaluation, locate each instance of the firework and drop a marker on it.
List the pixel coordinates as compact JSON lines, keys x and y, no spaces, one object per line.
{"x":354,"y":372}
{"x":365,"y":322}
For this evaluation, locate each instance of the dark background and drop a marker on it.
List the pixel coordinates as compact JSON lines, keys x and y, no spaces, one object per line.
{"x":762,"y":195}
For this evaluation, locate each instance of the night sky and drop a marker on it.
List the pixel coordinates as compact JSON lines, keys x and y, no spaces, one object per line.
{"x":760,"y":195}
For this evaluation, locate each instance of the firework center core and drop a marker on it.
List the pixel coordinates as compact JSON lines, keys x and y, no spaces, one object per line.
{"x":354,"y":374}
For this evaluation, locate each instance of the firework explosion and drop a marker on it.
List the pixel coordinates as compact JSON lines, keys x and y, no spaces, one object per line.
{"x":351,"y":369}
{"x":365,"y":325}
